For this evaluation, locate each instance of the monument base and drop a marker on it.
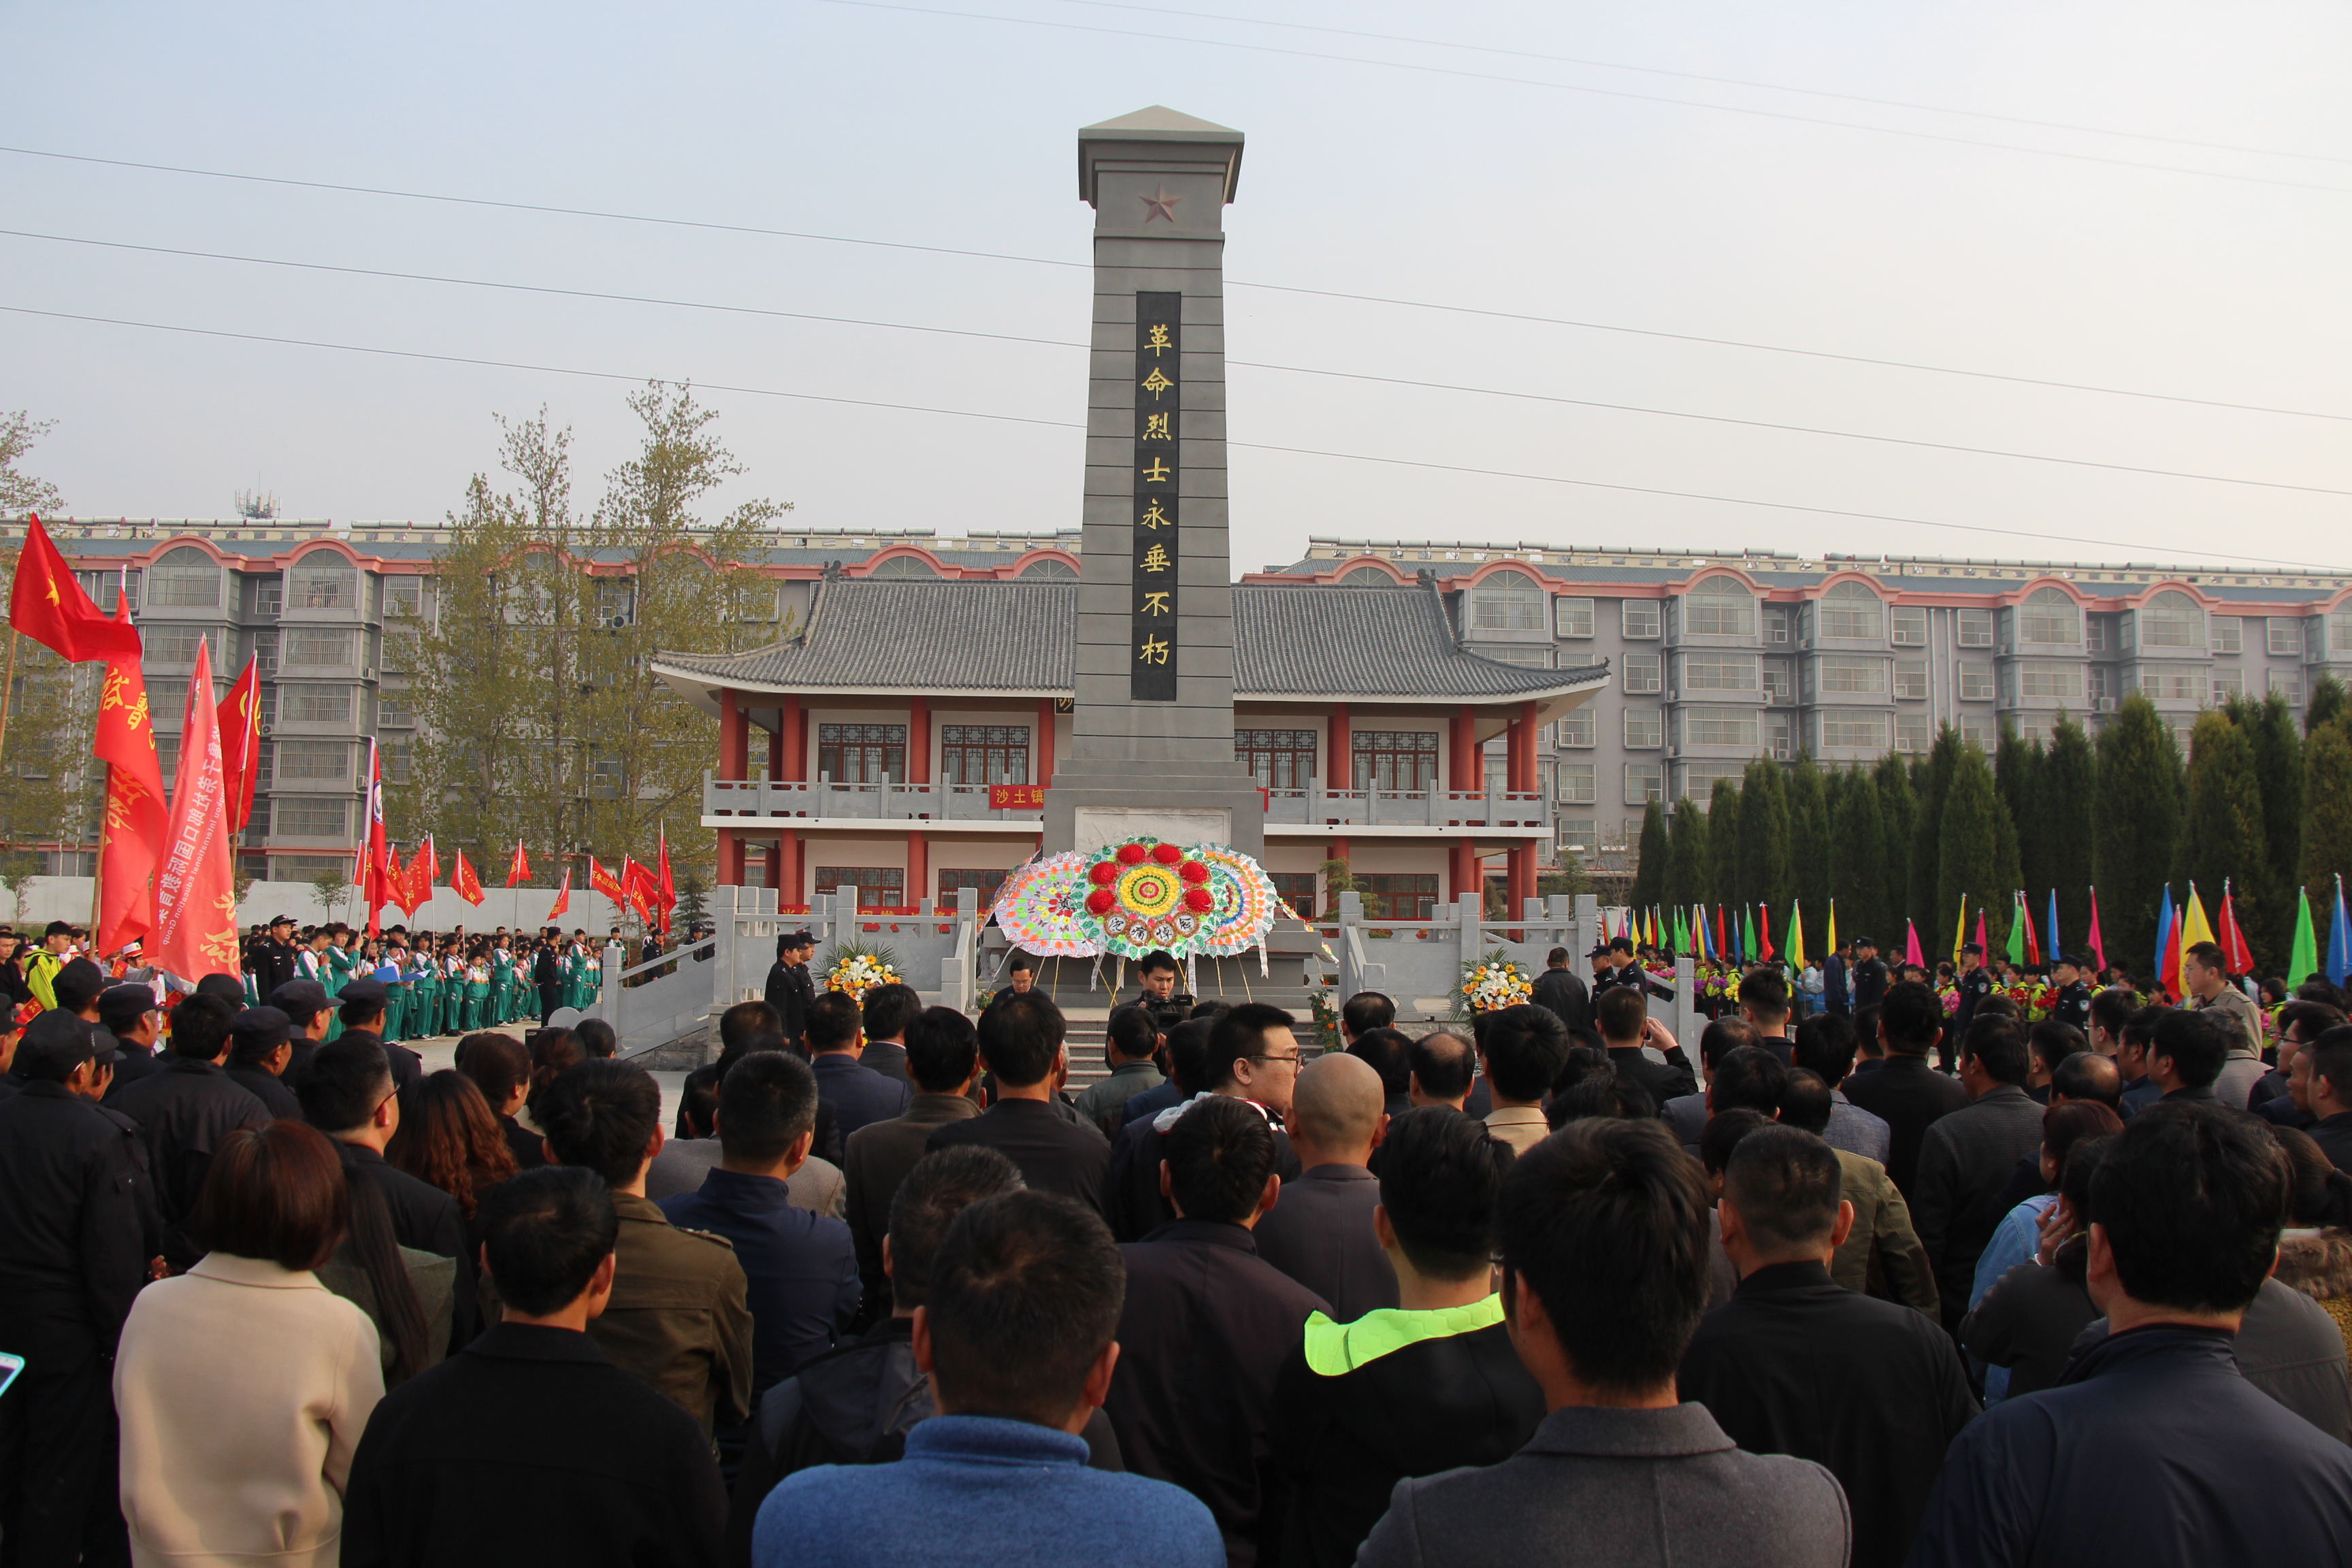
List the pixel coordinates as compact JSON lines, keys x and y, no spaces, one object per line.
{"x":1087,"y":812}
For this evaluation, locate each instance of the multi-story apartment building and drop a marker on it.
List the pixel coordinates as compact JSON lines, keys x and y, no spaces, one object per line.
{"x":317,"y":605}
{"x":1719,"y":657}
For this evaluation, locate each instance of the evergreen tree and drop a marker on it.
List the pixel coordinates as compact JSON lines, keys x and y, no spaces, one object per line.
{"x":1857,"y":866}
{"x":1650,"y":861}
{"x":2269,"y":727}
{"x":1686,"y":863}
{"x":2065,"y":791}
{"x":2327,"y":704}
{"x":1808,"y":841}
{"x":1929,"y":780}
{"x":1764,"y":835}
{"x":1897,"y":807}
{"x":1967,"y":849}
{"x":1723,"y":843}
{"x":2135,"y":823}
{"x":2326,"y":810}
{"x":2222,"y":837}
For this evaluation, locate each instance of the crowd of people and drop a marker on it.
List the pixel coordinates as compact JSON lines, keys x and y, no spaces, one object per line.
{"x":1881,"y":1284}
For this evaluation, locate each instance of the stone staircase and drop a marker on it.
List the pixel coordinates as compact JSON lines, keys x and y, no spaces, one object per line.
{"x":1223,"y":979}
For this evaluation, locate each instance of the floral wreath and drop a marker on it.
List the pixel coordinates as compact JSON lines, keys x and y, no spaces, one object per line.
{"x":856,"y":970}
{"x":1148,"y":894}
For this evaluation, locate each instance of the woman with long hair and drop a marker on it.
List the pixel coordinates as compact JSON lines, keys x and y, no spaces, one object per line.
{"x":552,"y":1051}
{"x":241,"y":1457}
{"x":500,"y":1068}
{"x":448,"y":1138}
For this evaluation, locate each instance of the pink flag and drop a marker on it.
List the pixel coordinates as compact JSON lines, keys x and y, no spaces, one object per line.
{"x":1911,"y":953}
{"x":196,"y":893}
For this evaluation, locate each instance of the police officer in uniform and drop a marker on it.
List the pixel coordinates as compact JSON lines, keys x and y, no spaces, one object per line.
{"x":273,"y":958}
{"x":1621,"y":968}
{"x":1869,"y":973}
{"x":1975,"y":985}
{"x":2072,"y":1003}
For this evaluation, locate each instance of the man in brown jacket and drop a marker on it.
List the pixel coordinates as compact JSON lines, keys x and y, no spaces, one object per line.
{"x":678,"y":1319}
{"x":1882,"y":1256}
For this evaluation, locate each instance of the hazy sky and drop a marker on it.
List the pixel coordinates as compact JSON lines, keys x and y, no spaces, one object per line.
{"x":1413,"y":171}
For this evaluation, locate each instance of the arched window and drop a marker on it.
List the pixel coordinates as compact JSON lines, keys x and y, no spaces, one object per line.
{"x":323,"y":580}
{"x":1849,"y":610}
{"x":2171,"y":619}
{"x":186,"y":577}
{"x":1367,"y":577}
{"x":1049,"y":566}
{"x":2050,"y":615}
{"x":1720,"y":607}
{"x":1509,"y":602}
{"x":904,"y":566}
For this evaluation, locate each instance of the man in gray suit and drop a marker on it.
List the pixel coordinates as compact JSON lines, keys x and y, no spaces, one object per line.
{"x":1320,"y":1233}
{"x":1604,"y":1255}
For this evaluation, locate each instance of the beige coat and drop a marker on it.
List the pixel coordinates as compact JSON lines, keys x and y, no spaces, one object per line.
{"x":243,"y":1389}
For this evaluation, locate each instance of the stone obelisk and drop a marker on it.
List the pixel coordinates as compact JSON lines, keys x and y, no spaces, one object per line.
{"x":1152,"y":729}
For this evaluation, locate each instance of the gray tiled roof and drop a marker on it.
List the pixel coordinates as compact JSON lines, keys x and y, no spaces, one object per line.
{"x":1019,"y":637}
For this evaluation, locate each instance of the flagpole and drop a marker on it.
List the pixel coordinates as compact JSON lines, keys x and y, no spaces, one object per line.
{"x":7,"y":687}
{"x":97,"y":866}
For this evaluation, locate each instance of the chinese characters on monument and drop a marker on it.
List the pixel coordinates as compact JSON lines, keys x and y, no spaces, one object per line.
{"x":1159,"y":349}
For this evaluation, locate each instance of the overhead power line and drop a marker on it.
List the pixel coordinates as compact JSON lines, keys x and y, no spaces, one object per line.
{"x":2038,"y":534}
{"x":1458,"y":71}
{"x":1553,"y":398}
{"x":1571,"y":322}
{"x":1715,"y":80}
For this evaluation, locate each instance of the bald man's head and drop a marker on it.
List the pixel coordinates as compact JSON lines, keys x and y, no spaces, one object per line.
{"x":1336,"y":1107}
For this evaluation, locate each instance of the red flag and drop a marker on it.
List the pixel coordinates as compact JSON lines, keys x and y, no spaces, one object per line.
{"x":667,"y":889}
{"x":2033,"y":941}
{"x":396,"y":878}
{"x":2234,"y":952}
{"x":423,"y":881}
{"x":47,"y":605}
{"x":377,"y":886}
{"x":2098,"y":948}
{"x":196,"y":893}
{"x":1984,"y":943}
{"x":136,"y":815}
{"x":463,"y":881}
{"x":519,"y":870}
{"x":1764,"y":930}
{"x":562,"y":897}
{"x":240,"y":734}
{"x":602,"y":881}
{"x":2173,"y":942}
{"x":638,"y":885}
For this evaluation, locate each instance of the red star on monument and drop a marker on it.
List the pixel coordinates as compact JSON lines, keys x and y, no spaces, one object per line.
{"x":1161,"y":205}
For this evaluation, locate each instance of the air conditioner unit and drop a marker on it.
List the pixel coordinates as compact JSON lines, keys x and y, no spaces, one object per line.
{"x":367,"y":672}
{"x":2103,"y":705}
{"x":611,"y":623}
{"x":1781,"y":751}
{"x":267,"y":728}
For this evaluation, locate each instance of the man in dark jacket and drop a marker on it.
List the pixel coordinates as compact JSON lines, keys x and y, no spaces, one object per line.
{"x":1252,"y":1054}
{"x":272,"y":958}
{"x":1428,"y":1386}
{"x":790,"y":989}
{"x":856,"y":1092}
{"x":943,"y":1060}
{"x":2325,"y":1069}
{"x":1563,"y":990}
{"x":1870,"y":976}
{"x":1322,"y":1233}
{"x":260,"y":1044}
{"x":1208,"y":1323}
{"x":1021,"y":1041}
{"x":74,"y":1249}
{"x":1837,"y":990}
{"x":130,"y":1015}
{"x":885,"y":1012}
{"x":2184,"y":1212}
{"x":1906,"y":1093}
{"x":1967,"y":1157}
{"x":348,"y":1095}
{"x":1796,"y":1365}
{"x":183,"y":1113}
{"x":612,"y":1471}
{"x":855,"y":1404}
{"x":547,"y":973}
{"x":1623,"y":1015}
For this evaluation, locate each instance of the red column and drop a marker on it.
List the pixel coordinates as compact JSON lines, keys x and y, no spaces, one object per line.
{"x":788,"y":875}
{"x":1461,"y":768}
{"x":1339,"y":767}
{"x":1464,"y":876}
{"x":734,"y":762}
{"x":772,"y":858}
{"x":918,"y":868}
{"x":919,"y":739}
{"x":776,"y":747}
{"x":794,"y":725}
{"x":1521,"y":867}
{"x":1045,"y":773}
{"x":731,"y":859}
{"x":1530,"y":775}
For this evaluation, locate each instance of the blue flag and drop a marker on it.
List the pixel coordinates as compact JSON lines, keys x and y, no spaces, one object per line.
{"x":2054,"y":949}
{"x":2339,"y":940}
{"x":2163,"y":933}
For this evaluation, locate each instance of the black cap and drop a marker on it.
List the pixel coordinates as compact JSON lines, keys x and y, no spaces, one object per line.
{"x":1600,"y":949}
{"x":57,"y":1026}
{"x":276,"y":921}
{"x":1972,"y":947}
{"x":302,"y":997}
{"x":260,"y":1030}
{"x":1622,"y":943}
{"x":1865,"y":942}
{"x":364,"y":990}
{"x":227,"y":987}
{"x":126,"y":988}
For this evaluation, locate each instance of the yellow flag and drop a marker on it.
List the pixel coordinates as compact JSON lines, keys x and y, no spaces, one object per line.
{"x":1796,"y":935}
{"x":1960,"y":932}
{"x":2194,"y":928}
{"x":1832,"y":947}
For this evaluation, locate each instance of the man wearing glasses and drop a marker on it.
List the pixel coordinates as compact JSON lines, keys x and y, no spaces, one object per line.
{"x":1254,"y":1057}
